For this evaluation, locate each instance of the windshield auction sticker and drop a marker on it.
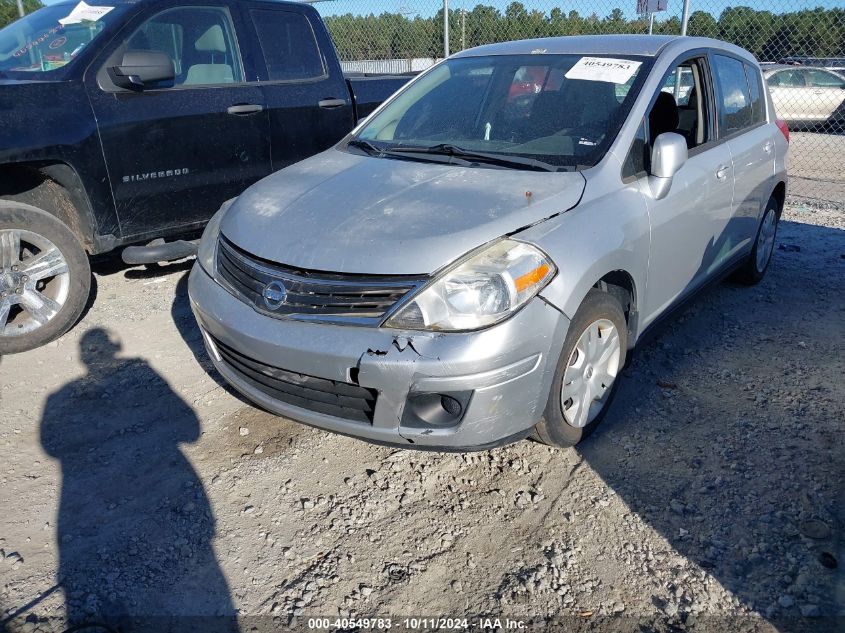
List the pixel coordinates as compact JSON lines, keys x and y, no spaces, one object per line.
{"x":86,"y":12}
{"x":617,"y":71}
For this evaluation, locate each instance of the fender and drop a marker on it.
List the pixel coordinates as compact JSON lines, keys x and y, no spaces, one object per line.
{"x":600,"y":236}
{"x":52,"y":130}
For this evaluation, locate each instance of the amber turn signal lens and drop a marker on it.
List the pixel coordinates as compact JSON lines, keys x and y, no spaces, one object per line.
{"x":531,"y":277}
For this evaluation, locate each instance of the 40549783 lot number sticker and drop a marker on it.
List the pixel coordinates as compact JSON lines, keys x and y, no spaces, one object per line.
{"x":617,"y":71}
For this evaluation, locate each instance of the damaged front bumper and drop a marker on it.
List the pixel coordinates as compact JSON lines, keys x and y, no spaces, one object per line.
{"x":493,"y":384}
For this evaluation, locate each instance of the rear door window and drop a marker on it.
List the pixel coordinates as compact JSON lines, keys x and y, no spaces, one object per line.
{"x":289,"y":45}
{"x":735,"y":111}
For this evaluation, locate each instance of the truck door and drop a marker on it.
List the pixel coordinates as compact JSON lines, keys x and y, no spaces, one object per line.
{"x":176,"y":151}
{"x":308,"y":101}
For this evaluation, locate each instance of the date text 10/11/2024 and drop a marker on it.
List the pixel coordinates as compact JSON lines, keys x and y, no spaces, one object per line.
{"x":416,"y":624}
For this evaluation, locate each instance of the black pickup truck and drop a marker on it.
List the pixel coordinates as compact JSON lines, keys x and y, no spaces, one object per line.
{"x":132,"y":121}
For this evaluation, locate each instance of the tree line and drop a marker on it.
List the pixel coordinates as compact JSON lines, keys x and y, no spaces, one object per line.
{"x":770,"y":36}
{"x":9,"y":9}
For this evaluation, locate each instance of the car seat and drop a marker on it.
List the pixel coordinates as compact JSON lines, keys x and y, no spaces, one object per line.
{"x":213,"y":42}
{"x":663,"y":116}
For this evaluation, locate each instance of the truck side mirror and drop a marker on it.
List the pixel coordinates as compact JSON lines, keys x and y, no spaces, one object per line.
{"x":667,"y":156}
{"x":139,"y":68}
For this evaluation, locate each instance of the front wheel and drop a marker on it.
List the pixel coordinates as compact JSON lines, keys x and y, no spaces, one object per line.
{"x":45,"y":278}
{"x":586,"y":378}
{"x":754,"y":268}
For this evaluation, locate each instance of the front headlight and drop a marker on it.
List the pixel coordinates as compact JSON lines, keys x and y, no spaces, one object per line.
{"x":483,"y":289}
{"x":208,"y":242}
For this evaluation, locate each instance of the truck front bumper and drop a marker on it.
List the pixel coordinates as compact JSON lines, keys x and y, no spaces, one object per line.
{"x":500,"y":376}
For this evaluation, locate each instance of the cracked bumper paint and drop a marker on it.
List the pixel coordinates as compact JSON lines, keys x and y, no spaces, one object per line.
{"x":508,"y":367}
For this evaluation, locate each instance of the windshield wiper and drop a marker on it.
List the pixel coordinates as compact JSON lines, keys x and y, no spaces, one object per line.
{"x":502,"y":160}
{"x":368,"y":147}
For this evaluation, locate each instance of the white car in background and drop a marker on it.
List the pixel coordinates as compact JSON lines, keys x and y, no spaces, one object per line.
{"x":806,"y":95}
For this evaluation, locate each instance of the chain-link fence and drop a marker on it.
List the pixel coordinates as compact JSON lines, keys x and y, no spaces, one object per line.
{"x":801,"y":44}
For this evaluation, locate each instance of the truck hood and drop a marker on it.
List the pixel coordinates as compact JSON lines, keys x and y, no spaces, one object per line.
{"x":342,"y":212}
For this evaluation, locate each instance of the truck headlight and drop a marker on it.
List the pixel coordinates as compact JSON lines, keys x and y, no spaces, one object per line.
{"x":207,"y":250}
{"x":486,"y":287}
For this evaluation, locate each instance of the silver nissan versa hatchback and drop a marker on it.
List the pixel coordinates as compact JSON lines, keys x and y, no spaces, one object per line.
{"x":472,"y":264}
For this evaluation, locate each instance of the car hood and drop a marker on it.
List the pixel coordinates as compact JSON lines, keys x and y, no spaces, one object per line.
{"x":342,"y":212}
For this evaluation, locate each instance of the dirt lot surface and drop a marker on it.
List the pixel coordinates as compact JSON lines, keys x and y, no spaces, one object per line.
{"x":816,"y":163}
{"x":132,"y":482}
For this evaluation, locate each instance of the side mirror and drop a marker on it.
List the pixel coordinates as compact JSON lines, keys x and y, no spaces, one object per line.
{"x":667,"y":156}
{"x":139,"y":68}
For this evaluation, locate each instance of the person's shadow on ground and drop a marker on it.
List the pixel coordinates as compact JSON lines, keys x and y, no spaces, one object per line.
{"x":135,"y":526}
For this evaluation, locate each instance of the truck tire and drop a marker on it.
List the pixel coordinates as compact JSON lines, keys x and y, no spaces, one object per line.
{"x":45,"y":277}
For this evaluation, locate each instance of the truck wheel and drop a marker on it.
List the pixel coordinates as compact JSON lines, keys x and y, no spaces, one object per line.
{"x":586,"y":378}
{"x":754,"y":268}
{"x":45,"y":277}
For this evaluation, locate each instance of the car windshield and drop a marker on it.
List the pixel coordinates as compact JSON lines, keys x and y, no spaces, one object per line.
{"x":554,"y":110}
{"x":50,"y":38}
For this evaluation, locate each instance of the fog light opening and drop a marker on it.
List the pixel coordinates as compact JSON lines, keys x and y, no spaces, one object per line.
{"x":437,"y":410}
{"x":452,"y":406}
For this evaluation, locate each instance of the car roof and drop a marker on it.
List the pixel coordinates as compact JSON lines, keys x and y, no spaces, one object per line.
{"x":773,"y":67}
{"x":645,"y":45}
{"x":768,"y":69}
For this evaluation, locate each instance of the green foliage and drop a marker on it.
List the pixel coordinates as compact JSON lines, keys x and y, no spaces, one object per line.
{"x":9,"y":10}
{"x":770,"y":36}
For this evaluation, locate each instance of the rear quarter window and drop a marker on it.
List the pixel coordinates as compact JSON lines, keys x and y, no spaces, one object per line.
{"x":755,"y":88}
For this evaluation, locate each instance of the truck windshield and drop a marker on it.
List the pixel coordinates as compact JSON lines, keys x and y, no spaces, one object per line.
{"x":559,"y":110}
{"x":50,"y":38}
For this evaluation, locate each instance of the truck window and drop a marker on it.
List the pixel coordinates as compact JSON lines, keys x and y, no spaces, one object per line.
{"x":734,"y":97}
{"x":289,"y":46}
{"x":199,"y":40}
{"x":49,"y":39}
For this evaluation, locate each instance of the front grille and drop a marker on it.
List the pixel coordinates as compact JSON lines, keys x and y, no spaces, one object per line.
{"x":332,"y":397}
{"x":310,"y":294}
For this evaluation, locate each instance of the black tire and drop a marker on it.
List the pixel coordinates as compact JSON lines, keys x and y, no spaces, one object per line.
{"x":16,"y":215}
{"x":750,"y":272}
{"x":553,"y":429}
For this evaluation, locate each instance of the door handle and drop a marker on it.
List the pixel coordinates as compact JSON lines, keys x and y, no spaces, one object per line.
{"x":244,"y":108}
{"x":331,"y":103}
{"x":722,"y":172}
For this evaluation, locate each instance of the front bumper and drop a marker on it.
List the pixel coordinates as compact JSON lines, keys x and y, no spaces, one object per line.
{"x":507,"y":368}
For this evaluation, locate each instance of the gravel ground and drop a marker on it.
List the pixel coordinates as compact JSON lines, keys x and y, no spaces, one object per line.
{"x":711,"y":499}
{"x":816,"y":163}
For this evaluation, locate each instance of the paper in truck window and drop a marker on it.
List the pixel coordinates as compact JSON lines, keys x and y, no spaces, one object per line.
{"x":83,"y":11}
{"x":617,"y":71}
